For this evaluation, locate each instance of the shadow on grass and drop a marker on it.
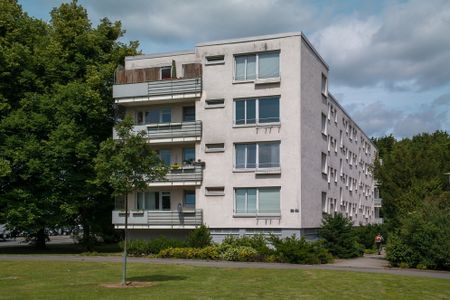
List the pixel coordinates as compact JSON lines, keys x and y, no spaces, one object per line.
{"x":58,"y":249}
{"x":155,"y":278}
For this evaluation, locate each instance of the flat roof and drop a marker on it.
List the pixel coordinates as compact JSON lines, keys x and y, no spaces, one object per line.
{"x":156,"y":55}
{"x":266,"y":37}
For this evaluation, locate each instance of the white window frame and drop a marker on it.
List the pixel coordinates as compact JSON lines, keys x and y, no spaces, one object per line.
{"x":257,"y":123}
{"x":257,"y":213}
{"x":257,"y":167}
{"x":164,"y":68}
{"x":160,"y":196}
{"x":256,"y":67}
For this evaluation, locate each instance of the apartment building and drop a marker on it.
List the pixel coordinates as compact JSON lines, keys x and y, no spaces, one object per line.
{"x":255,"y":141}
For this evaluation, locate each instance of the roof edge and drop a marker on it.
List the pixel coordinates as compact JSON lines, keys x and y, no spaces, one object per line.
{"x":348,"y":116}
{"x":156,"y":55}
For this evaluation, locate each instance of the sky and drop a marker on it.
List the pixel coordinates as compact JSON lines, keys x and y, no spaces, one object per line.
{"x":389,"y":60}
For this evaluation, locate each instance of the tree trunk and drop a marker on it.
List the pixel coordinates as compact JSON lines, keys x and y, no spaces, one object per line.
{"x":41,"y":239}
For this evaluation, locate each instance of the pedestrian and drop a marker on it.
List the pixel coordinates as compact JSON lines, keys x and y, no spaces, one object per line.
{"x":378,"y":242}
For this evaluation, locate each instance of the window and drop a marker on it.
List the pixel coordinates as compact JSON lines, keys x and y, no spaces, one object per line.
{"x":260,"y":155}
{"x":324,"y":202}
{"x":166,"y":156}
{"x":257,"y":200}
{"x":152,"y":200}
{"x":215,"y":191}
{"x":257,"y":66}
{"x":324,"y":85}
{"x":188,"y":113}
{"x":324,"y":124}
{"x":220,"y":147}
{"x":189,"y":199}
{"x":165,"y":72}
{"x":154,"y":116}
{"x":324,"y":166}
{"x":261,"y":110}
{"x":215,"y":60}
{"x":188,"y":155}
{"x":215,"y":103}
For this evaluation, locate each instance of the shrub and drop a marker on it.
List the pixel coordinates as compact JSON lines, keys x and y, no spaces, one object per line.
{"x":153,"y":246}
{"x":199,"y":237}
{"x":339,"y":239}
{"x":423,"y":237}
{"x":240,"y":253}
{"x":300,"y":251}
{"x":257,"y":242}
{"x":210,"y":252}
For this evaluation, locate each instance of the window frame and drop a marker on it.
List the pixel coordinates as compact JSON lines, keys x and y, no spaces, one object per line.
{"x":161,"y":194}
{"x":257,"y":211}
{"x":257,"y":111}
{"x":256,"y":54}
{"x":257,"y":167}
{"x":161,"y":72}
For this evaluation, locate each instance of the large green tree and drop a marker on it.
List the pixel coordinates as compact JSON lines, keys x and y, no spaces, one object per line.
{"x":56,"y":108}
{"x":411,"y":170}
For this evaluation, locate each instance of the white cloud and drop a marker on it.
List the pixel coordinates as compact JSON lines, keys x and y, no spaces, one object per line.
{"x":407,"y":47}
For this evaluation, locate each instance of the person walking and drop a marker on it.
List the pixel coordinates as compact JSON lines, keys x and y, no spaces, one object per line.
{"x":378,"y":242}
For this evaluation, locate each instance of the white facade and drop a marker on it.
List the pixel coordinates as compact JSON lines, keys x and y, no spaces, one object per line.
{"x":276,"y":150}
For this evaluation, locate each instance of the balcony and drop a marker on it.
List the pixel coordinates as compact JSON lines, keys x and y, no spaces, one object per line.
{"x":377,"y":202}
{"x":378,"y":220}
{"x":142,"y":85}
{"x":189,"y":175}
{"x":158,"y":219}
{"x":170,"y":132}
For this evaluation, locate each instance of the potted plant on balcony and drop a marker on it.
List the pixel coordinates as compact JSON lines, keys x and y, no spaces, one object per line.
{"x":175,"y":166}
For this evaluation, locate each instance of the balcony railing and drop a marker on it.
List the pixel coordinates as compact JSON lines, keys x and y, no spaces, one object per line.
{"x":185,"y":175}
{"x":172,"y":132}
{"x":174,"y":88}
{"x":377,"y":202}
{"x":158,"y":219}
{"x":378,"y":220}
{"x":147,"y":84}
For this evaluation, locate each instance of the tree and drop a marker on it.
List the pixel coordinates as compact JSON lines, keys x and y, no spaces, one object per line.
{"x":127,"y":164}
{"x":56,"y":108}
{"x":340,"y":240}
{"x":412,"y":169}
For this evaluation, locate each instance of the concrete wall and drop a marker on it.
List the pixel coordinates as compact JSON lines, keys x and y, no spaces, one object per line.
{"x":299,"y":132}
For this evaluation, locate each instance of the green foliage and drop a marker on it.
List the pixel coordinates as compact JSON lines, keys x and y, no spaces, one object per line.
{"x":210,"y":252}
{"x":423,"y":237}
{"x":200,"y":237}
{"x":339,"y":238}
{"x":55,"y":110}
{"x":365,"y":234}
{"x":153,"y":246}
{"x":300,"y":251}
{"x":257,"y":242}
{"x":412,"y":169}
{"x":240,"y":253}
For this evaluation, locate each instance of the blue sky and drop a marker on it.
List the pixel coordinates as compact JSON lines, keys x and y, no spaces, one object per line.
{"x":389,"y":60}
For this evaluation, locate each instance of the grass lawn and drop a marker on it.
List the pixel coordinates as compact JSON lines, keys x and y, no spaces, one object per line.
{"x":75,"y":280}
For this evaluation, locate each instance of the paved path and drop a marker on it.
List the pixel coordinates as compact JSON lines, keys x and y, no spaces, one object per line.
{"x":369,"y":263}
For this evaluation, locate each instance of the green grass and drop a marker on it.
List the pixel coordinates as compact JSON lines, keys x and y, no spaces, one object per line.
{"x":78,"y":280}
{"x":101,"y":249}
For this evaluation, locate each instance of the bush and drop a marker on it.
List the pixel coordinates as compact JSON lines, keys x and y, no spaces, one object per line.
{"x":257,"y":242}
{"x":300,"y":251}
{"x":210,"y":252}
{"x":153,"y":246}
{"x":422,"y":240}
{"x":199,"y":237}
{"x":240,"y":253}
{"x":339,"y":238}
